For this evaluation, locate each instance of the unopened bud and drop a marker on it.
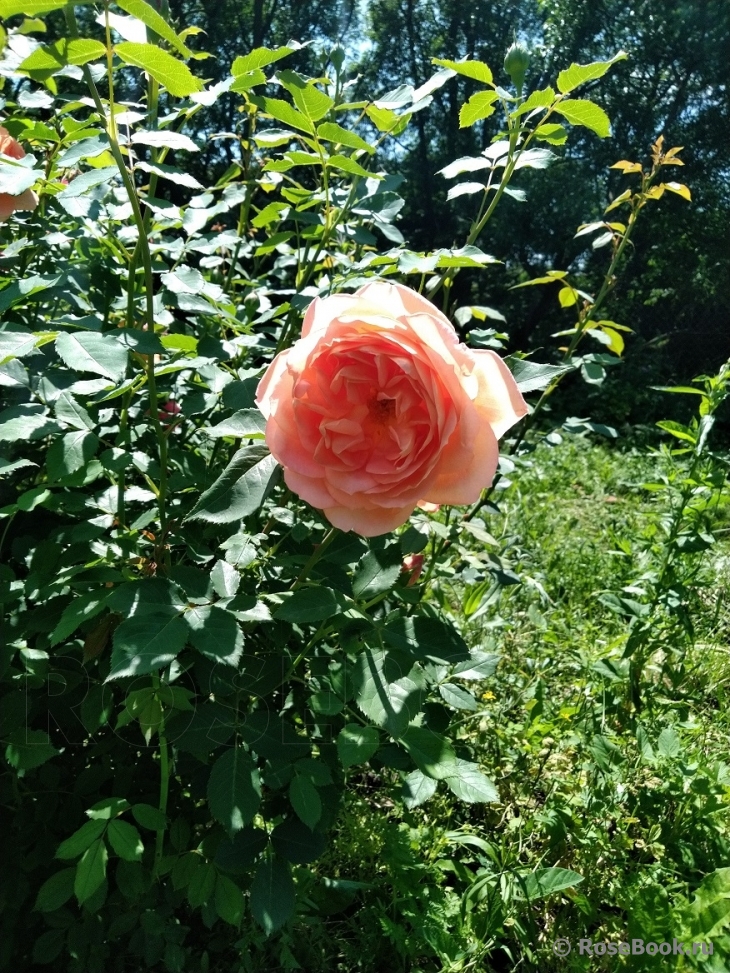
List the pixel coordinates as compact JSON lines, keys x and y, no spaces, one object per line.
{"x":516,"y":63}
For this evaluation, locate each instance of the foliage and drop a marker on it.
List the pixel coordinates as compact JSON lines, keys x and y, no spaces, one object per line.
{"x":208,"y":698}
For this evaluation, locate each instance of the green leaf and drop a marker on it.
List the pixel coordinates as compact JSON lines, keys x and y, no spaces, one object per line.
{"x":469,"y":69}
{"x":15,"y":179}
{"x":234,"y":789}
{"x":305,"y":800}
{"x":82,"y":839}
{"x":258,"y":58}
{"x":242,"y":424}
{"x":346,"y":164}
{"x":376,"y":573}
{"x":677,"y":430}
{"x":228,"y":901}
{"x":307,"y":97}
{"x":9,"y":8}
{"x":272,"y":894}
{"x":155,"y":21}
{"x":545,"y":881}
{"x":668,"y":743}
{"x":108,"y":808}
{"x":172,"y":173}
{"x":240,"y":490}
{"x":479,"y":106}
{"x":90,"y":871}
{"x":50,"y":58}
{"x":552,"y":134}
{"x":125,"y":841}
{"x":531,"y":376}
{"x":55,"y":891}
{"x":297,"y":843}
{"x":480,"y":665}
{"x":82,"y":608}
{"x":165,"y":139}
{"x":215,"y":633}
{"x":237,"y":854}
{"x":201,"y":887}
{"x":312,"y":604}
{"x":356,"y":744}
{"x":149,"y":817}
{"x":163,"y":67}
{"x":431,"y":639}
{"x":81,"y":184}
{"x":578,"y":74}
{"x":16,"y":343}
{"x":91,"y":352}
{"x":417,"y":789}
{"x":538,"y":99}
{"x":432,"y":753}
{"x":469,"y":784}
{"x":271,"y":737}
{"x":457,"y":697}
{"x":28,"y":749}
{"x":147,"y":643}
{"x":27,"y":288}
{"x":331,"y":132}
{"x":388,"y":696}
{"x":285,"y":113}
{"x":581,"y":112}
{"x":68,"y":410}
{"x":70,"y":453}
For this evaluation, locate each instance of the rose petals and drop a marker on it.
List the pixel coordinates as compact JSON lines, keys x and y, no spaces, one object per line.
{"x":379,"y":408}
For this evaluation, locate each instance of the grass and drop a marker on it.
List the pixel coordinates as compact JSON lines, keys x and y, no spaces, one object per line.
{"x":635,"y":802}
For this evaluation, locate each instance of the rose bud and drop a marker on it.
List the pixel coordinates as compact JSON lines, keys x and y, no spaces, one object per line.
{"x":378,"y":408}
{"x":26,"y":200}
{"x":516,"y":63}
{"x":414,"y":564}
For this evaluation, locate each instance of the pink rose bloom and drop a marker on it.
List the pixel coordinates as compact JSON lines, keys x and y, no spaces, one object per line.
{"x":27,"y":199}
{"x":378,"y":408}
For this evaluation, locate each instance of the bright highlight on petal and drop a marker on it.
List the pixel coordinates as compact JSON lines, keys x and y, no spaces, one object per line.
{"x":379,"y":408}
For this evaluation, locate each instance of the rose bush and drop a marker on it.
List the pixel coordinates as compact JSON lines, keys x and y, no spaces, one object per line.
{"x":379,"y":407}
{"x":26,"y":200}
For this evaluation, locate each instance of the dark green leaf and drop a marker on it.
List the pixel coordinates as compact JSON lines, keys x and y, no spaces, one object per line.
{"x":149,"y":817}
{"x":240,"y":489}
{"x":311,"y":604}
{"x":90,"y":352}
{"x":388,"y":696}
{"x":305,"y":800}
{"x":125,"y":841}
{"x":293,"y":840}
{"x":234,"y":789}
{"x":82,"y":839}
{"x":55,"y":891}
{"x":356,"y":744}
{"x":376,"y":573}
{"x":228,"y":901}
{"x":146,"y":643}
{"x":272,"y":894}
{"x":90,"y":871}
{"x":215,"y":633}
{"x":28,"y":749}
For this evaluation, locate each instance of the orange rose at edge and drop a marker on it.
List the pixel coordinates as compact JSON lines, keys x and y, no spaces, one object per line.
{"x":379,"y":408}
{"x":26,"y":200}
